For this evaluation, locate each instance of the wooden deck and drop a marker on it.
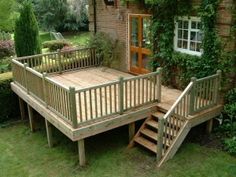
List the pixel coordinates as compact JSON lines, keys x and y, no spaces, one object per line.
{"x":101,"y":75}
{"x":81,"y":99}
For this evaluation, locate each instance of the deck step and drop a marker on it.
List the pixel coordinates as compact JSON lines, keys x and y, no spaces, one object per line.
{"x":153,"y":135}
{"x":152,"y":123}
{"x":158,"y":114}
{"x":146,"y":143}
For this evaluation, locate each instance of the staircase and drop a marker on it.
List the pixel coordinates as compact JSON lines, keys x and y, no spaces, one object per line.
{"x":164,"y":131}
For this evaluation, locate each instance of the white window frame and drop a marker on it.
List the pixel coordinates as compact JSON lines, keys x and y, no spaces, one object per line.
{"x":187,"y":51}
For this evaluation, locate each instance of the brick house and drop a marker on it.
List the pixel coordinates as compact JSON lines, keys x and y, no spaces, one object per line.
{"x":129,"y":24}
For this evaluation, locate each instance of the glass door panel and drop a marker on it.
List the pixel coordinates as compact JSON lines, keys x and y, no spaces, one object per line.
{"x":135,"y":31}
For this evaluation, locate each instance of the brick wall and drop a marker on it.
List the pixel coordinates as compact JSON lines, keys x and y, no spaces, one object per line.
{"x":109,"y":21}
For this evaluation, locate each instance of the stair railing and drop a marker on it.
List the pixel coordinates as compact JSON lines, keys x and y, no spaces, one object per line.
{"x":199,"y":95}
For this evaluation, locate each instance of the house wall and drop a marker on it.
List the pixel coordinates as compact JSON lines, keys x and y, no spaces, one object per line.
{"x":108,"y":21}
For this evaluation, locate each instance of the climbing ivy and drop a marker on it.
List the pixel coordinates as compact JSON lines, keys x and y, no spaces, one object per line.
{"x":178,"y":66}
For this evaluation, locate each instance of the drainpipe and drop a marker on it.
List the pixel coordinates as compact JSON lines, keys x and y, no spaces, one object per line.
{"x":95,"y":15}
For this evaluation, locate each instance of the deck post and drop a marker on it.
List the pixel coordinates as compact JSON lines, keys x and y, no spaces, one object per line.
{"x":209,"y":126}
{"x":131,"y":131}
{"x":22,"y":108}
{"x":73,"y":110}
{"x":81,"y":150}
{"x":45,"y":93}
{"x":49,"y":133}
{"x":121,"y":95}
{"x":192,"y":96}
{"x":59,"y":61}
{"x":31,"y":118}
{"x":160,"y":138}
{"x":25,"y":77}
{"x":159,"y":77}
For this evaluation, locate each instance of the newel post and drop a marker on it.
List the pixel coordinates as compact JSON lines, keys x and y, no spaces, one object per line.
{"x":192,"y":96}
{"x":45,"y":90}
{"x":121,"y":95}
{"x":25,"y":76}
{"x":160,"y":134}
{"x":159,"y":79}
{"x":73,"y":111}
{"x":59,"y":61}
{"x":219,"y":73}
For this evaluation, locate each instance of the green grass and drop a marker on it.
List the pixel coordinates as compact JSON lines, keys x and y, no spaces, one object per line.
{"x":23,"y":153}
{"x":44,"y":36}
{"x":5,"y":76}
{"x":79,"y":38}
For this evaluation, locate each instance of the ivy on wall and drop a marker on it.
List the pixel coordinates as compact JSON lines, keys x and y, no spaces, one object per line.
{"x":179,"y":68}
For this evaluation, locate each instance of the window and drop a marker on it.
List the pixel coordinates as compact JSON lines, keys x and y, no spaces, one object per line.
{"x":188,"y":36}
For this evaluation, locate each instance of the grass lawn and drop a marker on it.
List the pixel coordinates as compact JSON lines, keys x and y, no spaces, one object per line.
{"x":23,"y":153}
{"x":78,"y":38}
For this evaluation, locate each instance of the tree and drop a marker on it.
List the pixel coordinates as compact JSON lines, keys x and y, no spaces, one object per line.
{"x":26,"y":32}
{"x":8,"y":14}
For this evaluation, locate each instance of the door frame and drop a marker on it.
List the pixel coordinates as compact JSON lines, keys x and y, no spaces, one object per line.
{"x":128,"y":38}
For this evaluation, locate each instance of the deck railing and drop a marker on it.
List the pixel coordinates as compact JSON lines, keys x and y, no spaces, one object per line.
{"x":119,"y":96}
{"x":60,"y":61}
{"x":199,"y":95}
{"x":82,"y":105}
{"x":29,"y":73}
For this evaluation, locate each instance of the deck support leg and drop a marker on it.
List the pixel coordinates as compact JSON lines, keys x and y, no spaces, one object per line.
{"x":22,"y":109}
{"x":31,"y":118}
{"x":49,"y":133}
{"x":131,"y":131}
{"x":209,"y":126}
{"x":81,"y":148}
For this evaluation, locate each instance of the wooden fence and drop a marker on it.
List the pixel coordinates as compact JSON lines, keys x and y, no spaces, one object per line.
{"x":200,"y":94}
{"x":82,"y":105}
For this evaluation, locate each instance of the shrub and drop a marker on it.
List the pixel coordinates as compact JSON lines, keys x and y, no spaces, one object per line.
{"x":55,"y":44}
{"x":230,"y":145}
{"x":6,"y":48}
{"x":26,"y":32}
{"x":8,"y":100}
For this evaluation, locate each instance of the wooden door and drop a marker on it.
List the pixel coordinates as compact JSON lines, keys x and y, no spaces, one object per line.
{"x":139,"y":37}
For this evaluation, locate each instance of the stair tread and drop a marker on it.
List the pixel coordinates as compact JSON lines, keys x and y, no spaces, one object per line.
{"x":152,"y":123}
{"x":153,"y":135}
{"x":158,"y":114}
{"x":147,"y":144}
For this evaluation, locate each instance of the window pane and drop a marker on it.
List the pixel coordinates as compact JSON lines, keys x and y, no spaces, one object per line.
{"x":185,"y":35}
{"x":199,"y":25}
{"x":193,"y":46}
{"x":194,"y":25}
{"x":134,"y":58}
{"x":145,"y":60}
{"x":179,"y":44}
{"x":146,"y":32}
{"x":198,"y":47}
{"x":180,"y":34}
{"x":185,"y":45}
{"x":193,"y":36}
{"x":199,"y":36}
{"x":185,"y":25}
{"x":179,"y":24}
{"x":134,"y":32}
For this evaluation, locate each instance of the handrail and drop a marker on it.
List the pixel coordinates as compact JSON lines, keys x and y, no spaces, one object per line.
{"x":184,"y":93}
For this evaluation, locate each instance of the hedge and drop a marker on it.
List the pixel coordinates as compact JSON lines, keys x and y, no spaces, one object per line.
{"x":9,"y":107}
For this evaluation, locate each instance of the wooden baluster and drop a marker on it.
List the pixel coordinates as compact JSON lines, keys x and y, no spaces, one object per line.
{"x":159,"y":79}
{"x":45,"y":90}
{"x":219,"y":72}
{"x":26,"y":78}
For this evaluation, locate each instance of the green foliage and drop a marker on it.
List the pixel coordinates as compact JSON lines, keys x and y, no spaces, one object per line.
{"x":107,"y":48}
{"x":5,"y":36}
{"x":211,"y":43}
{"x":26,"y":32}
{"x":55,"y":44}
{"x":230,"y":145}
{"x":8,"y":14}
{"x":8,"y":100}
{"x":61,"y":15}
